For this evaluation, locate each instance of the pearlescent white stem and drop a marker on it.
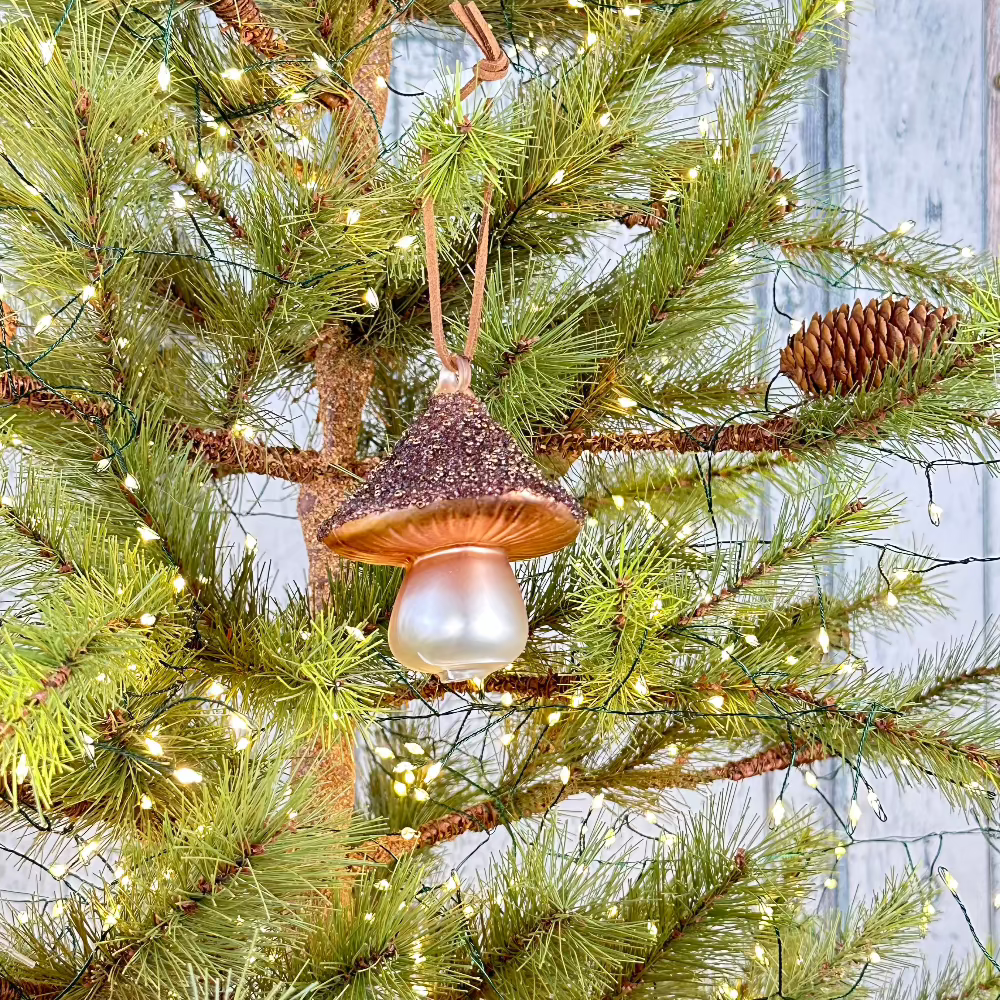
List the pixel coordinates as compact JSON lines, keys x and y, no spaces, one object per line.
{"x":459,"y":614}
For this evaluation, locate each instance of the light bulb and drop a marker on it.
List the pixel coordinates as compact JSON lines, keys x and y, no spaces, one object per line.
{"x":233,"y":73}
{"x":459,"y":614}
{"x":823,"y":638}
{"x":934,"y":512}
{"x":371,"y":298}
{"x":48,"y":50}
{"x":163,"y":76}
{"x":405,"y":242}
{"x":177,"y":200}
{"x":811,"y":780}
{"x":353,"y":216}
{"x":201,"y":170}
{"x":147,"y":534}
{"x":322,"y":63}
{"x":605,"y":120}
{"x":904,"y":227}
{"x":557,"y":177}
{"x":891,"y":600}
{"x":187,"y":776}
{"x":854,"y":813}
{"x":778,"y":812}
{"x":43,"y":324}
{"x":87,"y":293}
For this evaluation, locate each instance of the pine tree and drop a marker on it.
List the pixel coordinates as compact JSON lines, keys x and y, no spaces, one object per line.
{"x":208,"y":239}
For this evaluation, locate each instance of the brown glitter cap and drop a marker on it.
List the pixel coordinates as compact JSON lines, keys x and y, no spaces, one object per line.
{"x":455,"y":478}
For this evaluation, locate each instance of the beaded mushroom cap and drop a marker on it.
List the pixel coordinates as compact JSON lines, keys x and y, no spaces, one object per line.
{"x":456,"y":478}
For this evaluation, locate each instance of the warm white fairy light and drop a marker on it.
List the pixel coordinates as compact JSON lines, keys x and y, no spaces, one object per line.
{"x":403,"y":765}
{"x":216,"y":689}
{"x":43,"y":323}
{"x":854,"y":813}
{"x":751,"y":640}
{"x":187,"y":776}
{"x":631,"y":10}
{"x":891,"y":600}
{"x":627,"y":402}
{"x":130,"y":483}
{"x":242,"y":743}
{"x":148,"y":620}
{"x":201,"y":170}
{"x":605,"y":120}
{"x":6,"y":500}
{"x":178,"y":202}
{"x":432,"y":772}
{"x":873,"y":801}
{"x":618,"y":501}
{"x":874,"y":957}
{"x":415,"y":748}
{"x":355,"y":633}
{"x":48,"y":50}
{"x":370,"y":298}
{"x":297,"y":97}
{"x":58,"y":870}
{"x":383,"y":753}
{"x":811,"y":780}
{"x":951,"y":882}
{"x":408,"y":833}
{"x":840,"y":850}
{"x":353,"y":216}
{"x":823,"y":639}
{"x":904,"y":227}
{"x":564,"y":774}
{"x":322,"y":63}
{"x":717,"y":701}
{"x":576,"y":701}
{"x":506,"y":699}
{"x":557,"y":177}
{"x":406,"y":242}
{"x":553,"y":717}
{"x":233,"y":73}
{"x":641,"y":687}
{"x":250,"y":543}
{"x":934,"y":512}
{"x":709,"y":79}
{"x":163,"y":76}
{"x":22,"y":770}
{"x":87,"y":293}
{"x":507,"y":739}
{"x":400,"y":788}
{"x":145,"y":802}
{"x":831,"y":883}
{"x":693,"y":173}
{"x":153,"y":746}
{"x":178,"y":583}
{"x":778,"y":812}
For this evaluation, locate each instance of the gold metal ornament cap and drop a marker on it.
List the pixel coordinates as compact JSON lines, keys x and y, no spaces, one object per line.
{"x":455,"y":478}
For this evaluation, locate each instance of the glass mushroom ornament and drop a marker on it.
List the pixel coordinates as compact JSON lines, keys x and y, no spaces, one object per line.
{"x":455,"y":504}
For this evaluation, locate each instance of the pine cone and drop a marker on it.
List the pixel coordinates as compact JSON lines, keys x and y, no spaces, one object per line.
{"x":850,"y":348}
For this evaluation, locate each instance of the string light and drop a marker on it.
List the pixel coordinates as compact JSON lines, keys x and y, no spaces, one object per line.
{"x":353,"y":216}
{"x":934,"y":512}
{"x":187,"y":776}
{"x":618,"y":501}
{"x":709,"y":79}
{"x":904,"y":227}
{"x":216,"y":689}
{"x":178,"y":583}
{"x":841,"y":6}
{"x":605,"y":120}
{"x":22,"y":770}
{"x":830,"y":883}
{"x":778,"y":812}
{"x":823,"y":638}
{"x":406,"y":242}
{"x":432,"y":772}
{"x":641,"y":687}
{"x":322,"y":63}
{"x":693,"y":173}
{"x":381,"y":83}
{"x":557,"y":177}
{"x":564,"y":774}
{"x":506,"y":739}
{"x":163,"y":76}
{"x":6,"y":500}
{"x":810,"y":779}
{"x":148,"y":619}
{"x":48,"y":50}
{"x":58,"y":871}
{"x":153,"y":746}
{"x":130,"y":483}
{"x":400,"y":788}
{"x":145,"y":802}
{"x":854,"y":813}
{"x":201,"y":170}
{"x":950,"y":881}
{"x":631,"y":10}
{"x":717,"y":701}
{"x":178,"y":202}
{"x":233,"y":73}
{"x":370,"y":298}
{"x":553,"y":717}
{"x":576,"y":701}
{"x":506,"y":699}
{"x":891,"y":599}
{"x":383,"y":753}
{"x":44,"y":323}
{"x":250,"y":543}
{"x":86,"y":293}
{"x":967,"y":252}
{"x":627,"y":402}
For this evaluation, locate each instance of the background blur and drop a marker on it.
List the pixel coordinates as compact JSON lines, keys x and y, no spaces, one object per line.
{"x":913,"y":114}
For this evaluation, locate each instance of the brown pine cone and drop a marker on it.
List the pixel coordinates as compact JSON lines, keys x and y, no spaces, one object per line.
{"x":8,"y":324}
{"x":850,"y":348}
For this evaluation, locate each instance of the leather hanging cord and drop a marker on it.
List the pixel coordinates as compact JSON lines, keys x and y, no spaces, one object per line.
{"x":493,"y":66}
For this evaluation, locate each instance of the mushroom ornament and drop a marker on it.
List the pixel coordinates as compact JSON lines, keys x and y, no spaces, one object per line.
{"x":455,"y":504}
